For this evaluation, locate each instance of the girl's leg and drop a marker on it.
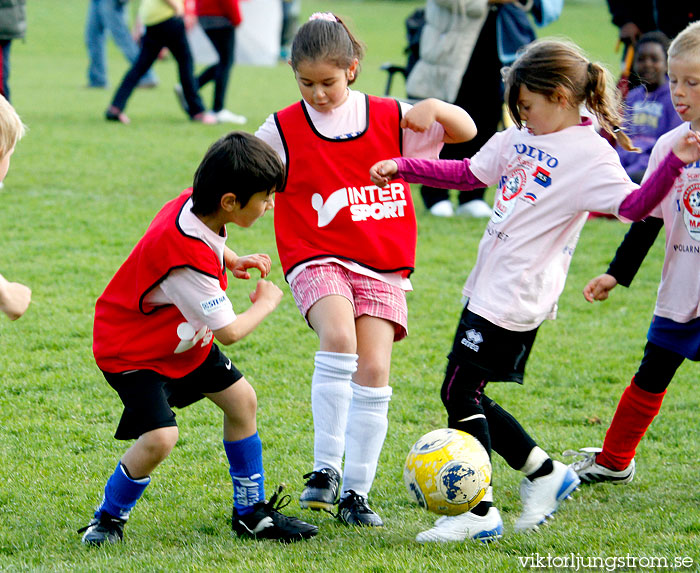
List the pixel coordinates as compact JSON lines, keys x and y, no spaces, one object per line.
{"x":176,"y":42}
{"x":638,"y":406}
{"x":367,"y":418}
{"x":223,"y":40}
{"x":334,"y":365}
{"x":150,"y":48}
{"x":242,"y":444}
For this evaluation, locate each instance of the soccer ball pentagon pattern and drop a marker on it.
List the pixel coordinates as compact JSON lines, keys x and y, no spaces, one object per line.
{"x":447,"y":471}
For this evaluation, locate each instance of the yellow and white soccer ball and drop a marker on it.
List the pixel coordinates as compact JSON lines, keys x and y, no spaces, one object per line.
{"x":447,"y":471}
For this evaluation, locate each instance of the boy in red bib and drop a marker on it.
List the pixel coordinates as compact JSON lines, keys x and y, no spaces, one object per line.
{"x":154,"y":332}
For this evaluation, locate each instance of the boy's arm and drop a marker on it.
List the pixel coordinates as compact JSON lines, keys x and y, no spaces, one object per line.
{"x":239,"y":265}
{"x":628,"y":258}
{"x":265,"y":299}
{"x":457,"y":123}
{"x":14,"y":298}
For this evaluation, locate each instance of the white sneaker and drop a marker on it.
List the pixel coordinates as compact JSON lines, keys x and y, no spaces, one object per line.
{"x":477,"y":209}
{"x":590,"y":472}
{"x":226,"y":116}
{"x":465,"y":526}
{"x":542,"y":496}
{"x":442,"y":209}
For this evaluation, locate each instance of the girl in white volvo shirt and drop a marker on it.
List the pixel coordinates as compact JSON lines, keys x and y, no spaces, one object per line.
{"x":674,"y":334}
{"x":550,"y":170}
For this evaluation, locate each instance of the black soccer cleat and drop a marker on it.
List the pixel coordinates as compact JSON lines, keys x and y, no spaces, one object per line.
{"x":354,"y":510}
{"x":266,"y":522}
{"x":321,"y":491}
{"x":103,"y":529}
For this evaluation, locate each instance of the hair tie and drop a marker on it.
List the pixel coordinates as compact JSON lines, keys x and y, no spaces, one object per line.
{"x":616,"y":129}
{"x":590,"y":67}
{"x":327,"y":16}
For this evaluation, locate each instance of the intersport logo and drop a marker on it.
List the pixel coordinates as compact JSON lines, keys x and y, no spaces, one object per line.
{"x":366,"y":202}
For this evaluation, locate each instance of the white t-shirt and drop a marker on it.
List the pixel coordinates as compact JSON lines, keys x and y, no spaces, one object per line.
{"x":198,"y":297}
{"x":679,"y":291}
{"x":546,"y":186}
{"x":348,"y":120}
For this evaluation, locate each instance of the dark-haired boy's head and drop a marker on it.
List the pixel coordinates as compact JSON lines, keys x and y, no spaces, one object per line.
{"x":238,"y":163}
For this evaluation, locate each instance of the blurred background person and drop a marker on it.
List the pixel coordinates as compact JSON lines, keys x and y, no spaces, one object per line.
{"x":13,"y":25}
{"x":110,"y":17}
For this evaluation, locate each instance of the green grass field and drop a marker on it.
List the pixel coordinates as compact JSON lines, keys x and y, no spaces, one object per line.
{"x":80,"y":193}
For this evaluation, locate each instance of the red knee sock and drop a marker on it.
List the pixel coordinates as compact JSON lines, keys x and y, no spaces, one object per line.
{"x":635,"y":412}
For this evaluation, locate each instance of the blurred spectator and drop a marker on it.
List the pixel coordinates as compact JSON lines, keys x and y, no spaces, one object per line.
{"x":219,"y":19}
{"x":649,"y":111}
{"x":164,"y":22}
{"x":290,"y":23}
{"x":13,"y":25}
{"x":109,"y":16}
{"x":635,"y":17}
{"x":469,"y":41}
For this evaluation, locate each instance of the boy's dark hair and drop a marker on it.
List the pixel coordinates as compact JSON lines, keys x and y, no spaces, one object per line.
{"x":238,"y":163}
{"x":655,"y":37}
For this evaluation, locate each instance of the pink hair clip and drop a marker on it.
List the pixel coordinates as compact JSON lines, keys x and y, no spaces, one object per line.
{"x":327,"y":16}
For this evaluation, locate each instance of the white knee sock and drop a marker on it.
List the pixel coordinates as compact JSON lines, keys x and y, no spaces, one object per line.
{"x":330,"y":401}
{"x":364,"y":437}
{"x":534,"y":460}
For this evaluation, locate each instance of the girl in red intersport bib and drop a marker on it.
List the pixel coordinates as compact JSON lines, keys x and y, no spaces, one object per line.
{"x":347,"y":248}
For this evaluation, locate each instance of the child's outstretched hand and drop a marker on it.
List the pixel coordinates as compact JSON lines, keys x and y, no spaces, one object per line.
{"x":687,"y":147}
{"x":383,"y":171}
{"x":266,"y":291}
{"x":258,"y":261}
{"x":599,"y":288}
{"x":14,"y":298}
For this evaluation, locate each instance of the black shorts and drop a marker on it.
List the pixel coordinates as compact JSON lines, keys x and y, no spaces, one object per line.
{"x":500,"y":354}
{"x":149,"y":397}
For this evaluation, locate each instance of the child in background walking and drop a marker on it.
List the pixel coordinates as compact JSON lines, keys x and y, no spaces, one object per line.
{"x":550,"y":168}
{"x":155,"y":324}
{"x":165,"y":28}
{"x":347,"y":249}
{"x":219,"y":19}
{"x":674,"y":333}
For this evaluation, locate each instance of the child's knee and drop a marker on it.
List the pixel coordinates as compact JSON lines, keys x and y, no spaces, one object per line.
{"x":160,"y":442}
{"x":372,"y":372}
{"x":341,"y":339}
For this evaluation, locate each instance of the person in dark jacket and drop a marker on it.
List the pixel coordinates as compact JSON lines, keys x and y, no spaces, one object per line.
{"x":13,"y":25}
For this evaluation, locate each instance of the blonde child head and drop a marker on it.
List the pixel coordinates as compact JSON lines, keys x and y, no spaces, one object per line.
{"x":687,"y":43}
{"x":11,"y":127}
{"x":326,"y":38}
{"x":559,"y":68}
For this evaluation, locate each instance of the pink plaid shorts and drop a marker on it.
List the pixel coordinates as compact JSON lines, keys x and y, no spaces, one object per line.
{"x":367,"y":295}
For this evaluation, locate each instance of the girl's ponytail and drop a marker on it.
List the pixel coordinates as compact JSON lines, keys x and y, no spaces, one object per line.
{"x":604,"y":103}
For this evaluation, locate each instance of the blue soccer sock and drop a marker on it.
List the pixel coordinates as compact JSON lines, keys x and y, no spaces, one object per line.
{"x":246,"y":469}
{"x":121,"y":493}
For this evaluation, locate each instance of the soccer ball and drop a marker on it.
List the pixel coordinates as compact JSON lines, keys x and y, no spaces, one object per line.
{"x":447,"y":471}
